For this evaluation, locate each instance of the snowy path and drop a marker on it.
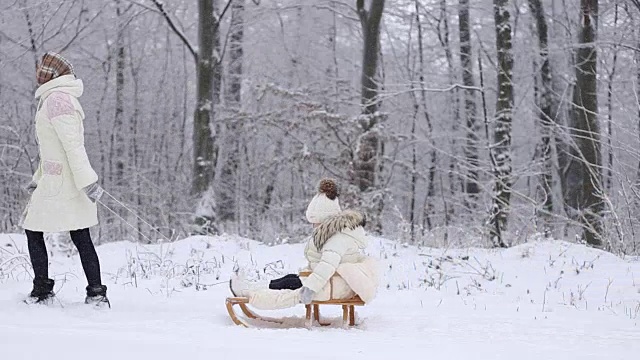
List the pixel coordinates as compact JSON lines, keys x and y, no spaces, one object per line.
{"x":415,"y":323}
{"x":196,"y":327}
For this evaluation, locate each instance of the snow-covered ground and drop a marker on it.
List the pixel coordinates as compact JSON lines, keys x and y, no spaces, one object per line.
{"x":542,"y":300}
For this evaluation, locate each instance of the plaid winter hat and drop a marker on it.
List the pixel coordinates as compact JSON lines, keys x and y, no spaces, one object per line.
{"x":51,"y":66}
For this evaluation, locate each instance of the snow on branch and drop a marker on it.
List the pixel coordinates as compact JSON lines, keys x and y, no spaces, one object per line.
{"x":452,"y":87}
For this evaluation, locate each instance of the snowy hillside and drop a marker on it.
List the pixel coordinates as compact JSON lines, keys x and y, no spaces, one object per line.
{"x":545,"y":300}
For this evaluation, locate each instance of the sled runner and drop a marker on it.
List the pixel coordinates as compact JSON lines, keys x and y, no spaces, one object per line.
{"x":348,"y":310}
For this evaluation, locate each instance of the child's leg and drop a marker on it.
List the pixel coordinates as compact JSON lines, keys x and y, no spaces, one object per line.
{"x":266,"y":299}
{"x":288,"y":282}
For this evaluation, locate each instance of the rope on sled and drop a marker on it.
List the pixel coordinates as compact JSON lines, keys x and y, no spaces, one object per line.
{"x":151,"y":226}
{"x":134,"y":214}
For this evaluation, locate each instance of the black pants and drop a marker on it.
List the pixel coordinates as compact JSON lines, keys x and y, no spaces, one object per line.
{"x":287,"y":282}
{"x":81,"y":239}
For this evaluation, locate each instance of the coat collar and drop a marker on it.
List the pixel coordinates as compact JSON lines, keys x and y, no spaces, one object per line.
{"x":344,"y":221}
{"x":65,"y":83}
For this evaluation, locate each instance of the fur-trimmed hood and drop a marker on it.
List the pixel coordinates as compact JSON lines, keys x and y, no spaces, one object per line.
{"x":347,"y":220}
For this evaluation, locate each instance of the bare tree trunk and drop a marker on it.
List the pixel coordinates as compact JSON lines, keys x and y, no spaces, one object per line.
{"x":455,"y":100}
{"x":587,"y":160}
{"x":563,"y":114}
{"x":432,"y":153}
{"x":117,"y":136}
{"x":208,"y":75}
{"x":32,"y":36}
{"x":637,"y":57}
{"x":414,"y":159}
{"x":334,"y":71}
{"x":118,"y":127}
{"x":502,"y":132}
{"x":545,"y":113}
{"x":414,"y":171}
{"x":612,"y":75}
{"x":134,"y":151}
{"x":226,"y":204}
{"x":471,"y":147}
{"x":102,"y":138}
{"x":217,"y":79}
{"x":369,"y":142}
{"x":203,"y":143}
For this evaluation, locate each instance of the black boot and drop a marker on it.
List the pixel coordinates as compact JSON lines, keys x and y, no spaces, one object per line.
{"x":42,"y":292}
{"x":97,"y":295}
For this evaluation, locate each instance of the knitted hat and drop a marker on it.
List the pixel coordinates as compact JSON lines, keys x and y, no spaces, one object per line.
{"x":52,"y":66}
{"x":325,"y":203}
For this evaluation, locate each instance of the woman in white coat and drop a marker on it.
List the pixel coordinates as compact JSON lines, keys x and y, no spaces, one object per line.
{"x":339,"y":268}
{"x":64,"y":188}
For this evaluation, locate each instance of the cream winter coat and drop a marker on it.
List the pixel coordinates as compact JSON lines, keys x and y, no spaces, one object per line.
{"x":58,"y":202}
{"x":337,"y":251}
{"x":339,"y":269}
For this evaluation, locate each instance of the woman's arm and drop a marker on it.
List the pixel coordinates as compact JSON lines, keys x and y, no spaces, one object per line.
{"x":67,"y":124}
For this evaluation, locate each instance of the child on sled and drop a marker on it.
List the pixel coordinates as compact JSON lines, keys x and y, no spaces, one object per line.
{"x":338,"y":267}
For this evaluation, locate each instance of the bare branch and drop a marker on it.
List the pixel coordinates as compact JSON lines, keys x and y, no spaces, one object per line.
{"x":145,"y":6}
{"x":178,"y":32}
{"x":80,"y":29}
{"x":224,"y":11}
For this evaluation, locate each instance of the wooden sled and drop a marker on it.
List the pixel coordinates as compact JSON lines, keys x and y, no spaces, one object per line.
{"x":312,"y":310}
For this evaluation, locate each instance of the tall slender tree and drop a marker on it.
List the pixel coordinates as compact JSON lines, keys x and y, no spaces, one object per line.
{"x":118,"y":143}
{"x":204,"y":150}
{"x":226,"y":195}
{"x":470,"y":112}
{"x":455,"y":180}
{"x":545,"y":109}
{"x":501,"y":149}
{"x":117,"y":137}
{"x":369,"y":142}
{"x":428,"y":209}
{"x":586,"y":194}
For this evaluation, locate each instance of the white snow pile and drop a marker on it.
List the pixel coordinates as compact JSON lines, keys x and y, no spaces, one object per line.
{"x":541,"y":300}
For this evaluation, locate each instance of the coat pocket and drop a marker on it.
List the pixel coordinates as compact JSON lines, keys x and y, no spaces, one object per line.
{"x":50,"y":184}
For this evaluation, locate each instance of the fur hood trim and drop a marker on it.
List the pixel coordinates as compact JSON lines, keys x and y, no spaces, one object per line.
{"x":345,"y":220}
